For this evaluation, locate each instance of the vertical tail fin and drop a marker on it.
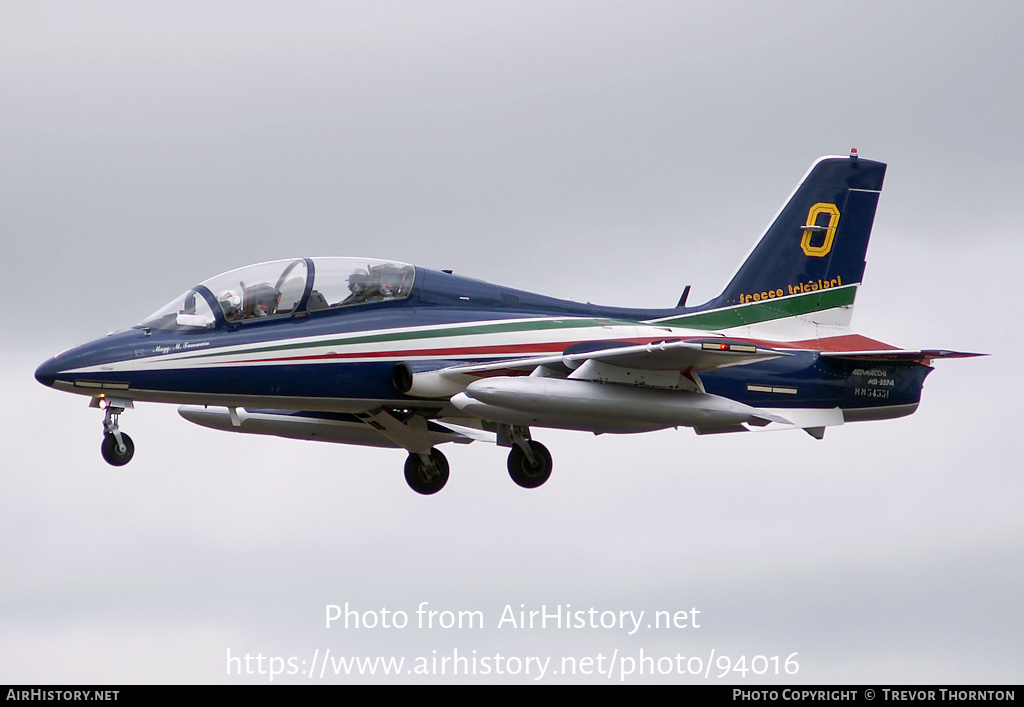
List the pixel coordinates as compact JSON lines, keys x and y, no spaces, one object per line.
{"x":811,"y":258}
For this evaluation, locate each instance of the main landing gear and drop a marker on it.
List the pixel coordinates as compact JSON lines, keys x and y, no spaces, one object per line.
{"x":426,"y":473}
{"x":117,"y":448}
{"x":529,"y":465}
{"x":529,"y":462}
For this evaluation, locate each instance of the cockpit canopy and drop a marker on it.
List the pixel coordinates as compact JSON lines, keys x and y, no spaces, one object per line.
{"x":285,"y":287}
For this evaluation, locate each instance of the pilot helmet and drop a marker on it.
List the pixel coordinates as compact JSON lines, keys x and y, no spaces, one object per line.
{"x":358,"y":281}
{"x":231,"y":302}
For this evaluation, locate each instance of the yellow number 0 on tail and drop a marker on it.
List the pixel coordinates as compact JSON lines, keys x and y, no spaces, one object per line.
{"x":822,"y":250}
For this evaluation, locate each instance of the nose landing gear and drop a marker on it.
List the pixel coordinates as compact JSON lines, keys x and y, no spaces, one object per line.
{"x":117,"y":448}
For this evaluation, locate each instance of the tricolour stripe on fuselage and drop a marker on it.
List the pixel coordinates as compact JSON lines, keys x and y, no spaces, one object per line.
{"x":488,"y":340}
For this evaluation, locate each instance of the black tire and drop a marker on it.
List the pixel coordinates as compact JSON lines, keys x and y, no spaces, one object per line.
{"x":110,"y":453}
{"x":525,"y":474}
{"x":418,"y":477}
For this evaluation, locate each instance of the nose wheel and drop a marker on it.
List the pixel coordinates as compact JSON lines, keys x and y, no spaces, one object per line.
{"x":117,"y":453}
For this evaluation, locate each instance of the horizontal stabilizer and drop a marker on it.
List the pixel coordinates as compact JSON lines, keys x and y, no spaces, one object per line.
{"x":919,"y":356}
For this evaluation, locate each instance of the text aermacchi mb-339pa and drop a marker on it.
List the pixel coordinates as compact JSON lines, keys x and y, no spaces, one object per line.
{"x":380,"y":353}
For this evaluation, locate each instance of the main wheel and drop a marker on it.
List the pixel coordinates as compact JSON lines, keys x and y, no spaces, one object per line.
{"x":110,"y":452}
{"x":528,"y":475}
{"x":424,"y":479}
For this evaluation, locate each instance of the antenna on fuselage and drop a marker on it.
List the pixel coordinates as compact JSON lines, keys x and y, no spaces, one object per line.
{"x":682,"y":300}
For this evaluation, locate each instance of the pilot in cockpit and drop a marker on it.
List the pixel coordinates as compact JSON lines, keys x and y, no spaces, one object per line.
{"x":231,"y":302}
{"x":359,"y":286}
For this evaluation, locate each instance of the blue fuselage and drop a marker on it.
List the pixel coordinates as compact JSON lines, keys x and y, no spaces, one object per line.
{"x":345,"y":359}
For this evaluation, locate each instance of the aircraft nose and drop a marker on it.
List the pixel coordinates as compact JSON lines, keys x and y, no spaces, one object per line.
{"x":47,"y":372}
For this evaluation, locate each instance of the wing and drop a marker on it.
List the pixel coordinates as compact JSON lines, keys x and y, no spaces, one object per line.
{"x":661,"y":387}
{"x":665,"y":364}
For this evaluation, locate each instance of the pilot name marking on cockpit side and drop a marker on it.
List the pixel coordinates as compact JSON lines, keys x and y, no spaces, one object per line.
{"x":186,"y":346}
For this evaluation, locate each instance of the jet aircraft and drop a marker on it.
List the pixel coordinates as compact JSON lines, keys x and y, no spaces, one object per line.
{"x":381,"y":353}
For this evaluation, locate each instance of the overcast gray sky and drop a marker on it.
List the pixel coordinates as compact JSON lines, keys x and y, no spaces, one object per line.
{"x":604,"y":151}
